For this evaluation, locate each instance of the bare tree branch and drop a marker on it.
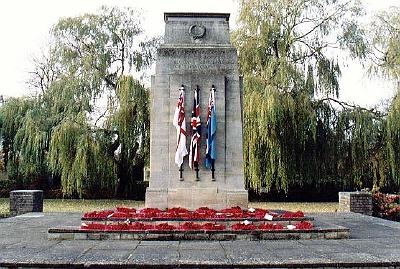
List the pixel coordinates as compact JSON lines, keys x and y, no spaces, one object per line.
{"x":332,"y":15}
{"x":346,"y":105}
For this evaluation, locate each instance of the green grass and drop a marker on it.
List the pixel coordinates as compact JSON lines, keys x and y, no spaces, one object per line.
{"x":294,"y":206}
{"x":68,"y":205}
{"x":4,"y":206}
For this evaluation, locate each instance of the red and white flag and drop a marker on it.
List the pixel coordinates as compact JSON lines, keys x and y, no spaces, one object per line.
{"x":194,"y":156}
{"x":180,"y":125}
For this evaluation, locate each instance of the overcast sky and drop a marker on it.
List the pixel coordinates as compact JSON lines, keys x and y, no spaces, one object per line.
{"x":25,"y":25}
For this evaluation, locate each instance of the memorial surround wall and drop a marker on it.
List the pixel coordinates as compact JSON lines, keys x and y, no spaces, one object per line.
{"x":357,"y":202}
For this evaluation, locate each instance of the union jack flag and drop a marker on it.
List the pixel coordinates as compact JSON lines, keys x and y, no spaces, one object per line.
{"x":180,"y":125}
{"x":194,"y":155}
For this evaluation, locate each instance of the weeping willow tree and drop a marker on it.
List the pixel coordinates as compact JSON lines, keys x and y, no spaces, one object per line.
{"x":76,"y":154}
{"x":131,"y":122}
{"x":17,"y":117}
{"x":270,"y":151}
{"x":90,"y":158}
{"x":385,"y":34}
{"x":393,"y":138}
{"x":385,"y":57}
{"x":88,"y":124}
{"x":296,"y":133}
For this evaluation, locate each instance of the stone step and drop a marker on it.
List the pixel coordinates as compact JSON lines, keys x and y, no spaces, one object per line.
{"x":75,"y":233}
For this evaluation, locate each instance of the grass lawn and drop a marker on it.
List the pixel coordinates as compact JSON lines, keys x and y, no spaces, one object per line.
{"x":4,"y":206}
{"x":67,"y":205}
{"x":294,"y":206}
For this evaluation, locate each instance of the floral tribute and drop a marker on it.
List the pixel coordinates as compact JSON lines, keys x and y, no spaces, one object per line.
{"x":202,"y":213}
{"x":131,"y":219}
{"x":192,"y":226}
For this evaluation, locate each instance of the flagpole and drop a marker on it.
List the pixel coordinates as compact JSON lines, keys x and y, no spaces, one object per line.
{"x":212,"y":160}
{"x":181,"y":89}
{"x":181,"y":172}
{"x":196,"y":164}
{"x":212,"y":170}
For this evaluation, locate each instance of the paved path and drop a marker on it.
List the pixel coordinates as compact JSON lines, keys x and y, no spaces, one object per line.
{"x":23,"y":242}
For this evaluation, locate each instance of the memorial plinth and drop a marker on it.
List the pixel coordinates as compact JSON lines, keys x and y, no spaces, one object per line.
{"x":196,"y":52}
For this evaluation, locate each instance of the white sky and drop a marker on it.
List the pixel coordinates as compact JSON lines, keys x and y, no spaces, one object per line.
{"x":25,"y":25}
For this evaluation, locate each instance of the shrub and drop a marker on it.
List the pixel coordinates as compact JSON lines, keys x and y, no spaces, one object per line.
{"x":5,"y":187}
{"x":386,"y":206}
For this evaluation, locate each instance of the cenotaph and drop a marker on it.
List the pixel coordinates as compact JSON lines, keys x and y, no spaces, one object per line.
{"x":196,"y":54}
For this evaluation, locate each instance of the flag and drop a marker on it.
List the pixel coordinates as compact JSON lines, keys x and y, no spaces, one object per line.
{"x":194,"y":155}
{"x":211,"y":149}
{"x":180,"y":125}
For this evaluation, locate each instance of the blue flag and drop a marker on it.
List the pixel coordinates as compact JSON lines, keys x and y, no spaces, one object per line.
{"x":211,"y":151}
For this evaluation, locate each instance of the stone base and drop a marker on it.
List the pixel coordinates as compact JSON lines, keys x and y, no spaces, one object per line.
{"x":26,"y":201}
{"x":156,"y":198}
{"x":193,"y":198}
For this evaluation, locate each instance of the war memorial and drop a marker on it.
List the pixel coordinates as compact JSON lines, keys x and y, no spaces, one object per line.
{"x":196,"y":211}
{"x":196,"y":56}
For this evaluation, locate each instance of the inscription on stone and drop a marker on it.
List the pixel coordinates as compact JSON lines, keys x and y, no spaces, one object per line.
{"x":204,"y":61}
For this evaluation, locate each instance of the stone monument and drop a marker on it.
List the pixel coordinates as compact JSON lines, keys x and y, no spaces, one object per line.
{"x":196,"y":53}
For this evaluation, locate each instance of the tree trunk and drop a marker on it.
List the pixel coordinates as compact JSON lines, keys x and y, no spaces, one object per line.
{"x":124,"y":172}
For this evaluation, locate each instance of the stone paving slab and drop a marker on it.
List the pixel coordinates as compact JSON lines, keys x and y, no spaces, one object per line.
{"x":75,"y":233}
{"x":373,"y":243}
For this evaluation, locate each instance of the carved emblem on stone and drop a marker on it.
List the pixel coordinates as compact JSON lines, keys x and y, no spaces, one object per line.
{"x":197,"y":31}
